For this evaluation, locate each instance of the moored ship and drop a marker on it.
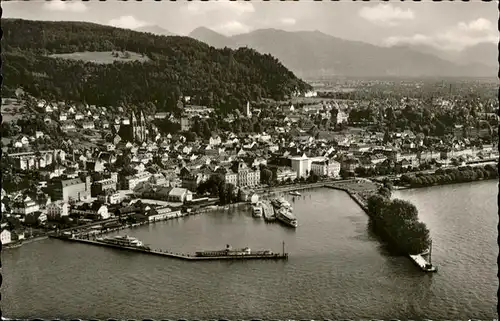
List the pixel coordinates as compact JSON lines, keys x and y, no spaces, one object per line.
{"x":231,"y":252}
{"x":284,"y":212}
{"x":125,"y":241}
{"x":295,"y":193}
{"x":287,"y":217}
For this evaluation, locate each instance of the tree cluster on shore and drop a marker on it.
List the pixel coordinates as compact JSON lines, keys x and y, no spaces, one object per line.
{"x":178,"y":66}
{"x":450,"y":176}
{"x":396,"y":221}
{"x":217,"y":187}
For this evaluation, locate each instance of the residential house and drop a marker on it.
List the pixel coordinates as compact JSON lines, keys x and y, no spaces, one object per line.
{"x":63,"y":117}
{"x":88,"y":125}
{"x":180,"y":195}
{"x":95,"y":210}
{"x":109,"y":198}
{"x":130,"y":182}
{"x":192,"y":179}
{"x":215,"y":140}
{"x":283,"y":173}
{"x":342,"y":117}
{"x":104,"y":186}
{"x":17,"y":235}
{"x":327,"y":167}
{"x":230,"y":177}
{"x":162,"y":213}
{"x":68,"y":126}
{"x":5,"y":237}
{"x":95,"y":166}
{"x":56,"y":210}
{"x":161,"y":115}
{"x":25,"y":206}
{"x":349,"y":164}
{"x":246,"y":176}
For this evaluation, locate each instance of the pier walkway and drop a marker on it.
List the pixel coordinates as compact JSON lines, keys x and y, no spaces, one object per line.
{"x":183,"y":256}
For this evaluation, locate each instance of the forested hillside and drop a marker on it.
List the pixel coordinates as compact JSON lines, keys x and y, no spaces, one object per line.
{"x":178,"y":65}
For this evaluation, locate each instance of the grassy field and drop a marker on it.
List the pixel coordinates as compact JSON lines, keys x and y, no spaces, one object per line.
{"x":10,"y":109}
{"x":102,"y":57}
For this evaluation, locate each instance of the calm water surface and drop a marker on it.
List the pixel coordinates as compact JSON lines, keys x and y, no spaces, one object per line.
{"x":337,"y":268}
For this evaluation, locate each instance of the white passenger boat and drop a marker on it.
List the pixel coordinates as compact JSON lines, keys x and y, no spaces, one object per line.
{"x":126,"y":240}
{"x":287,"y":217}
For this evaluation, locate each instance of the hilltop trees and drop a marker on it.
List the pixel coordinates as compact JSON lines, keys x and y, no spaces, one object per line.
{"x":178,"y":65}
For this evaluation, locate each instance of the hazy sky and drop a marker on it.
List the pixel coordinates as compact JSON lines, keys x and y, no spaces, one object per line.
{"x":451,"y":25}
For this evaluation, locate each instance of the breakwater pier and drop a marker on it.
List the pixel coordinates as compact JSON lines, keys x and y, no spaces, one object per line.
{"x":182,"y":256}
{"x":358,"y":191}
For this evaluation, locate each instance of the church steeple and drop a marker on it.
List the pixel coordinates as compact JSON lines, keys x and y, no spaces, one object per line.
{"x":133,"y":119}
{"x":142,"y":120}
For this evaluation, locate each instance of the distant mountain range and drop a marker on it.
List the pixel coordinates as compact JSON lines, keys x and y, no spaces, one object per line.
{"x":156,"y":30}
{"x":314,"y":54}
{"x":482,"y":53}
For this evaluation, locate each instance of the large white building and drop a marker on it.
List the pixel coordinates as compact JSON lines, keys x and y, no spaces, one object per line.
{"x":301,"y":165}
{"x":328,"y":168}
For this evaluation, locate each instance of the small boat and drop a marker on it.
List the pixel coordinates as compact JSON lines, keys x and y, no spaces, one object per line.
{"x":295,"y":193}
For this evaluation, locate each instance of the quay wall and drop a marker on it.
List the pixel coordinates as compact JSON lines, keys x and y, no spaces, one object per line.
{"x":353,"y":196}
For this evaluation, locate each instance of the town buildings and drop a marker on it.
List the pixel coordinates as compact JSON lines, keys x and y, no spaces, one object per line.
{"x":301,"y":165}
{"x":328,"y":167}
{"x":5,"y":237}
{"x":134,"y":130}
{"x":56,"y":210}
{"x":71,"y":190}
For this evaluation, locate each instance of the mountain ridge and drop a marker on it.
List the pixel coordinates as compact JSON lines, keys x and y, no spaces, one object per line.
{"x":155,"y":29}
{"x":314,"y":53}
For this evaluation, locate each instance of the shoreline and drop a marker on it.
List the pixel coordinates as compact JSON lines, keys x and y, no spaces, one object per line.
{"x":14,"y":245}
{"x":262,"y":194}
{"x":404,"y":188}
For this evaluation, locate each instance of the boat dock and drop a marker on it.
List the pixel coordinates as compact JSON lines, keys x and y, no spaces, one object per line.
{"x":268,"y":211}
{"x":259,"y":255}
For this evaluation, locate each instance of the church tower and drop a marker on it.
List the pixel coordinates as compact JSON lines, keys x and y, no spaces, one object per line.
{"x":142,"y":126}
{"x":248,"y":112}
{"x":133,"y":125}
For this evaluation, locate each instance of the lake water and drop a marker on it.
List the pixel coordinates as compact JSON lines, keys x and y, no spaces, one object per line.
{"x":337,"y":268}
